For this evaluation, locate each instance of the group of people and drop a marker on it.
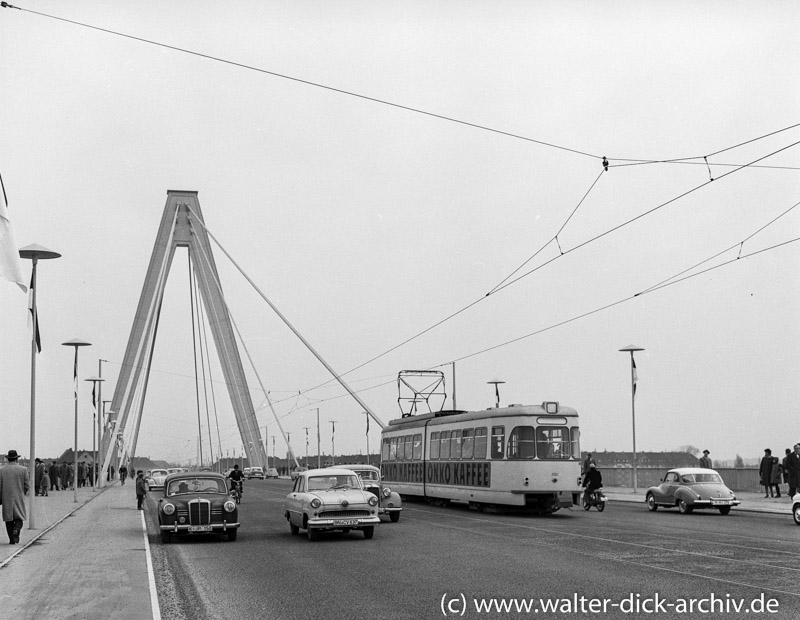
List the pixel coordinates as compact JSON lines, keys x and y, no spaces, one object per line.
{"x":773,"y":472}
{"x":60,"y":476}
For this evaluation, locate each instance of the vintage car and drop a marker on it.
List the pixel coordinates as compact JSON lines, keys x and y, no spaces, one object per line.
{"x":689,"y":488}
{"x":155,"y":480}
{"x":255,"y":472}
{"x":197,"y":503}
{"x":271,"y":472}
{"x":390,"y":503}
{"x":796,"y":508}
{"x":330,"y":499}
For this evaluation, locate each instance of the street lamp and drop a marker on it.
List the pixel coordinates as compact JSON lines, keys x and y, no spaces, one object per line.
{"x":35,"y":253}
{"x":633,"y":348}
{"x":496,"y":382}
{"x":75,"y":342}
{"x":95,"y":382}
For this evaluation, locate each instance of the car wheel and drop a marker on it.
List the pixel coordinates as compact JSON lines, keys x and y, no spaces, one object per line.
{"x":684,"y":507}
{"x":651,"y":503}
{"x":232,"y":535}
{"x":313,"y":534}
{"x":723,"y":510}
{"x":369,"y":532}
{"x":796,"y":513}
{"x":293,"y":529}
{"x":394,"y":517}
{"x":166,"y":537}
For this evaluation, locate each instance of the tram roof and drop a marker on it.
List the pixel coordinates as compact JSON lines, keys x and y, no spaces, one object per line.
{"x":445,"y":417}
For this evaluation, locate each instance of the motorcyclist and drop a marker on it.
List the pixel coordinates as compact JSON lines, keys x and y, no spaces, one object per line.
{"x":592,"y":480}
{"x":237,"y":477}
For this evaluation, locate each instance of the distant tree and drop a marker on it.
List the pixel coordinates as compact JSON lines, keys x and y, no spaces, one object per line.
{"x":738,"y":462}
{"x":690,"y":449}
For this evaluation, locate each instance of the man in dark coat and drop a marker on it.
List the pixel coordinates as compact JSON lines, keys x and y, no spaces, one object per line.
{"x":793,"y":462}
{"x":38,"y":472}
{"x":14,"y":486}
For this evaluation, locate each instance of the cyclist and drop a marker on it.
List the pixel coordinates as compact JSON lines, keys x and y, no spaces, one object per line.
{"x":592,"y":480}
{"x":237,"y":477}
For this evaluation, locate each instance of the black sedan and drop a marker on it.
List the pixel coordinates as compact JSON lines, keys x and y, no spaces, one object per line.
{"x":197,"y":503}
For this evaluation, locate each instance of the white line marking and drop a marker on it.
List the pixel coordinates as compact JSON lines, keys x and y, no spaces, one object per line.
{"x":151,"y":578}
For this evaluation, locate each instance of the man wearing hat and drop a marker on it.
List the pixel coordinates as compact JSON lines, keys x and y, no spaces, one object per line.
{"x":14,"y":486}
{"x":705,"y":461}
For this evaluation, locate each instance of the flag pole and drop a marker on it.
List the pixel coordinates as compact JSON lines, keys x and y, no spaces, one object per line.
{"x":631,"y":348}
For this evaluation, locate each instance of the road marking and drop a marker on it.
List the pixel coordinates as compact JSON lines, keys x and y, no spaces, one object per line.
{"x":151,"y":578}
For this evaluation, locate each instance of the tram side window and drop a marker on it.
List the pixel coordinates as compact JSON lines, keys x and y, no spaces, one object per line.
{"x":480,"y":443}
{"x":520,"y":443}
{"x":409,"y":441}
{"x":416,"y":451}
{"x":467,"y":443}
{"x":444,"y":443}
{"x":498,"y":441}
{"x":455,"y":444}
{"x":385,"y":449}
{"x":434,"y":451}
{"x":552,"y":442}
{"x":393,"y":449}
{"x":575,"y":434}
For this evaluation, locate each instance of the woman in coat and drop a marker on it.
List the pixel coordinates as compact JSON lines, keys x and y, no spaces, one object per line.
{"x":776,"y":475}
{"x":765,"y":472}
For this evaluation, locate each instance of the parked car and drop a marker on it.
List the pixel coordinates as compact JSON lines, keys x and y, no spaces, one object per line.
{"x":796,"y":508}
{"x":156,"y":478}
{"x":390,"y":503}
{"x":197,"y":503}
{"x":297,"y":471}
{"x":330,"y":499}
{"x":690,"y":488}
{"x":271,"y":472}
{"x":255,"y":472}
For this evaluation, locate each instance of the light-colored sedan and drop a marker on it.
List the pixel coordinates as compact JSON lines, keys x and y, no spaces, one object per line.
{"x":390,"y":503}
{"x":156,"y":479}
{"x":330,"y":499}
{"x":796,"y":508}
{"x":690,"y":488}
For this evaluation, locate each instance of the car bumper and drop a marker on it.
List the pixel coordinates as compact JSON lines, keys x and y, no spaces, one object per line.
{"x":389,"y":510}
{"x":714,"y":503}
{"x":178,"y":528}
{"x":338,"y":524}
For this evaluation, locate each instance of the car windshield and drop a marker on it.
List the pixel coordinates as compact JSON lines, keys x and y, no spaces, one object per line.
{"x":330,"y":483}
{"x":197,"y":485}
{"x":690,"y":478}
{"x":368,"y":475}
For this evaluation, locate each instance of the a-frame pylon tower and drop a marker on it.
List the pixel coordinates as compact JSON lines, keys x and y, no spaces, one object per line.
{"x":181,"y":226}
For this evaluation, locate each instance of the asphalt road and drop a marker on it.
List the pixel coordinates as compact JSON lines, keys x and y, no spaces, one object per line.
{"x":440,"y":562}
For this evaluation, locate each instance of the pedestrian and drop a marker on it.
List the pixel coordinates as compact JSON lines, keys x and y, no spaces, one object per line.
{"x":63,"y":471}
{"x":45,"y":482}
{"x":141,"y":489}
{"x":705,"y":460}
{"x":793,"y":462}
{"x":765,"y":472}
{"x":54,"y":475}
{"x":776,"y":475}
{"x":37,"y":476}
{"x":14,"y":486}
{"x":123,"y":473}
{"x":785,"y":467}
{"x":586,"y":463}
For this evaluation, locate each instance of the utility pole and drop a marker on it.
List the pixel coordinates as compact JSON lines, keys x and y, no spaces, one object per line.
{"x":333,"y":444}
{"x":319,"y":452}
{"x":305,"y":428}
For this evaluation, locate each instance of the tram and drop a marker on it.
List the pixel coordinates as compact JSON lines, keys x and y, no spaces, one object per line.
{"x":525,"y":456}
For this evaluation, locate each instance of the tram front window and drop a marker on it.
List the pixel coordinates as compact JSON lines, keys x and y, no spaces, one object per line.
{"x":520,"y":443}
{"x":552,"y":442}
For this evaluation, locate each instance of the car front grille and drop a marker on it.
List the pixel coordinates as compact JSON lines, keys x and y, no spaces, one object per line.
{"x":199,"y":512}
{"x":343,"y":514}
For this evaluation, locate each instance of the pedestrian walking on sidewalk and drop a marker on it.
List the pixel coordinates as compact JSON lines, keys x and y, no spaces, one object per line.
{"x":14,"y":486}
{"x":765,"y":472}
{"x":777,"y":475}
{"x":141,"y":489}
{"x":793,"y":462}
{"x":45,"y":482}
{"x":37,"y":476}
{"x":705,"y":460}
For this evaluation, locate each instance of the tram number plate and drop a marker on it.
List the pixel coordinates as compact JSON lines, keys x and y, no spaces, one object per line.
{"x":345,"y":521}
{"x":199,"y":528}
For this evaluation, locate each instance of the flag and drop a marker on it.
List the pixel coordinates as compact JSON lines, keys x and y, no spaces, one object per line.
{"x":10,"y":265}
{"x":634,"y":376}
{"x":33,"y":318}
{"x":75,"y":374}
{"x":367,"y":423}
{"x":94,"y":398}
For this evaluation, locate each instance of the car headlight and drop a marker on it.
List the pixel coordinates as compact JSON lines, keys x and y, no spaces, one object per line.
{"x":372,"y":501}
{"x":316,"y":503}
{"x":229,"y":506}
{"x":387,"y":491}
{"x":168,"y":509}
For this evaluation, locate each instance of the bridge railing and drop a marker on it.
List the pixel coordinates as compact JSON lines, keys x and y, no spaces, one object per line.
{"x":736,"y":478}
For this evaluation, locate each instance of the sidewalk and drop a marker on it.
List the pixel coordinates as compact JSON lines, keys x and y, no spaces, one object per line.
{"x":87,"y":560}
{"x":751,"y":502}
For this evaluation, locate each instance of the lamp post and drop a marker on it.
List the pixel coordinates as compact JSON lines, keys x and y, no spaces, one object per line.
{"x":75,"y":342}
{"x":631,"y":348}
{"x":95,"y":382}
{"x":496,"y":383}
{"x":34,"y":253}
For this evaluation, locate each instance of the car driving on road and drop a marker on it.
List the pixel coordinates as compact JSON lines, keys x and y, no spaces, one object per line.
{"x":197,"y":503}
{"x":690,"y":488}
{"x":390,"y":503}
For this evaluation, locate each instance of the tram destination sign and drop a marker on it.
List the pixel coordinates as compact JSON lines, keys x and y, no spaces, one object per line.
{"x":455,"y":473}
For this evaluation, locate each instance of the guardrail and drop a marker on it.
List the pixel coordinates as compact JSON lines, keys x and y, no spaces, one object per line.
{"x":737,"y":478}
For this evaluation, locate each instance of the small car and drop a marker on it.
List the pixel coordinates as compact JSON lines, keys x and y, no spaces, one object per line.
{"x":246,"y":470}
{"x":297,"y":471}
{"x":390,"y":503}
{"x":197,"y":503}
{"x":156,"y":478}
{"x":271,"y":472}
{"x":255,"y":472}
{"x":330,"y":499}
{"x":796,"y":508}
{"x":174,"y":470}
{"x":689,"y":488}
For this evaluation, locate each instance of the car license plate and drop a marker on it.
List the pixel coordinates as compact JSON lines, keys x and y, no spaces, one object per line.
{"x":720,"y":502}
{"x":345,"y":522}
{"x":199,"y":528}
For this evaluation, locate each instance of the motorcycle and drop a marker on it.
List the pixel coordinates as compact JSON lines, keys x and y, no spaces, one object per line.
{"x":236,"y":490}
{"x":596,"y":498}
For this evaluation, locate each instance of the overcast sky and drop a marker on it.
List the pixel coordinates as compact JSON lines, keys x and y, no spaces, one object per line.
{"x":368,"y":223}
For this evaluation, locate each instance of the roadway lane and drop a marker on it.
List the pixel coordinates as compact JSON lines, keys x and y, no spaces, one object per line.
{"x":625,"y":555}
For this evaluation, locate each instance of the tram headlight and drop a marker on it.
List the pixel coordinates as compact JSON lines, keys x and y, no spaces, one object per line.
{"x":525,"y":482}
